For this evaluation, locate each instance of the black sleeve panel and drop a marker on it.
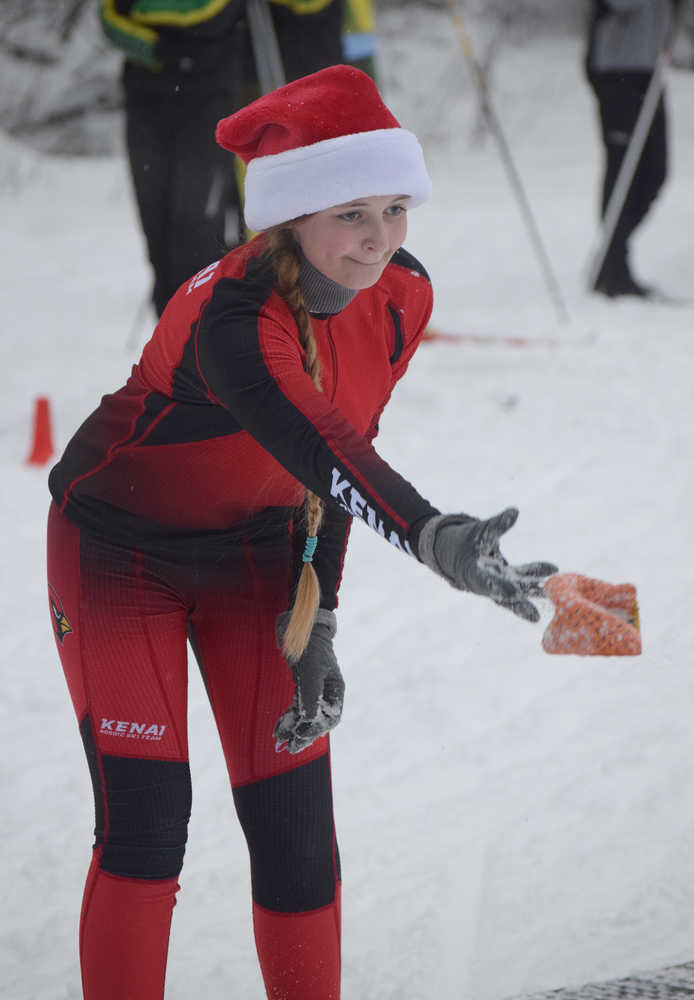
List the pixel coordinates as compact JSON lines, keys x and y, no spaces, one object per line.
{"x":252,"y":364}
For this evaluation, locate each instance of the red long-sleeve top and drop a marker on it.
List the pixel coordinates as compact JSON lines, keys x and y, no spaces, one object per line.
{"x":219,"y":428}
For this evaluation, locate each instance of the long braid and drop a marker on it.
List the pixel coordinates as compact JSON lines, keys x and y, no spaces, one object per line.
{"x":286,"y":261}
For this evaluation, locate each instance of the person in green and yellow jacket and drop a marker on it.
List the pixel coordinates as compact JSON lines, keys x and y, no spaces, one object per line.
{"x":187,"y":64}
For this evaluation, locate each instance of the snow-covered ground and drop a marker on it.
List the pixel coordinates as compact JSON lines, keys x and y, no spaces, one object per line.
{"x":508,"y":821}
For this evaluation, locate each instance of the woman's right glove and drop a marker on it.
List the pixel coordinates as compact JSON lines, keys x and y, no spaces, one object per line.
{"x":465,"y":551}
{"x":317,"y":704}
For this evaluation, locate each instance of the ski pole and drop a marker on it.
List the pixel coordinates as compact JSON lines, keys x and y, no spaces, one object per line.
{"x":497,"y":131}
{"x":266,"y":50}
{"x":268,"y":66}
{"x":632,"y":155}
{"x":270,"y":70}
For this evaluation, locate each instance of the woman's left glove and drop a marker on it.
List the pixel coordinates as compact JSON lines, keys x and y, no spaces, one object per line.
{"x":465,"y":551}
{"x":317,"y":704}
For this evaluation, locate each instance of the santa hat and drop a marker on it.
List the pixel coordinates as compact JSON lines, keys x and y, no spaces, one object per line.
{"x":323,"y":140}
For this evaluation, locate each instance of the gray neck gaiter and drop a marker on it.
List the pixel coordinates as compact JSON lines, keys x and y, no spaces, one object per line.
{"x":322,"y":294}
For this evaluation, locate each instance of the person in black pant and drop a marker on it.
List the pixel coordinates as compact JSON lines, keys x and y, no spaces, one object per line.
{"x":181,"y":75}
{"x":625,"y":39}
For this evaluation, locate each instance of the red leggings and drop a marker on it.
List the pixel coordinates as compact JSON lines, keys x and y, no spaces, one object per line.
{"x":121,"y":620}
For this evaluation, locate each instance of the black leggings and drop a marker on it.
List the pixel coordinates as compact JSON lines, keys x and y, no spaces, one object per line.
{"x":620,"y":96}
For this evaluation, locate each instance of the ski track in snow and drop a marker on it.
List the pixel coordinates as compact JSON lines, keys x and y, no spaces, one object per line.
{"x":508,"y":821}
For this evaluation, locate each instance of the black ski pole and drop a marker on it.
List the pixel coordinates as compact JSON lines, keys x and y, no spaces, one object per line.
{"x":633,"y":152}
{"x":497,"y":131}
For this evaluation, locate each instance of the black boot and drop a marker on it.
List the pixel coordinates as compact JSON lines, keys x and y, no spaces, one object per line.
{"x":615,"y":277}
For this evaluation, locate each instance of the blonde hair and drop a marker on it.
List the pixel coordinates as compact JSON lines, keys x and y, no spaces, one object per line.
{"x":284,"y":255}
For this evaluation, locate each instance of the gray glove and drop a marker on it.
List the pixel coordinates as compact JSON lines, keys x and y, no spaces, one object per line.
{"x":465,"y":551}
{"x":320,"y":689}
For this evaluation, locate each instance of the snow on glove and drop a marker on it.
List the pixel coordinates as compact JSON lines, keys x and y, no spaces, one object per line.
{"x":317,"y":704}
{"x":465,"y":551}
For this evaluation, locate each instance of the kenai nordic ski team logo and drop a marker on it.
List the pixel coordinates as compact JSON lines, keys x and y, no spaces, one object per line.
{"x":61,"y":625}
{"x":131,"y":730}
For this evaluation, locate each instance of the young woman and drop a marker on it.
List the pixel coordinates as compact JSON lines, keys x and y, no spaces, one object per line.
{"x":210,"y":499}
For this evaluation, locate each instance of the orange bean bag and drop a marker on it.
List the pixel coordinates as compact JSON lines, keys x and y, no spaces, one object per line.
{"x":592,"y":618}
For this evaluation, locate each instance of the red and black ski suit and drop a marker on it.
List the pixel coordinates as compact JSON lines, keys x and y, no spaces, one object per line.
{"x":173,"y":518}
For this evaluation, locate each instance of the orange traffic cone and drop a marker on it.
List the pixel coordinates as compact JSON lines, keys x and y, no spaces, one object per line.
{"x":592,"y":618}
{"x":42,"y":444}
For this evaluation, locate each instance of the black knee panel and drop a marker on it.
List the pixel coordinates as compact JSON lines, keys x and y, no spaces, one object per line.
{"x":142,"y":810}
{"x":288,"y":823}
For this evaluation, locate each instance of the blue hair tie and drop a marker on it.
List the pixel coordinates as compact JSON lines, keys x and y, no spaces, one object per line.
{"x":309,"y":548}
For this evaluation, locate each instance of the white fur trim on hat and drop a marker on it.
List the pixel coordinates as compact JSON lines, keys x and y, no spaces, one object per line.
{"x":310,"y":178}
